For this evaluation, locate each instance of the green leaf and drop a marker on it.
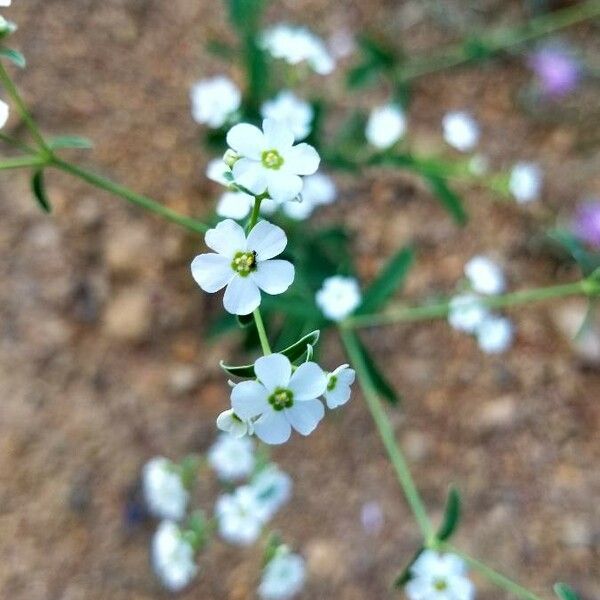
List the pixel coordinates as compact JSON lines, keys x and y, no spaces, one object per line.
{"x":294,"y":352}
{"x":451,"y":515}
{"x":588,"y":261}
{"x":70,"y":141}
{"x":448,"y":199}
{"x":387,"y":282}
{"x":14,"y":56}
{"x":383,"y":387}
{"x":274,"y":542}
{"x":39,"y":191}
{"x":565,"y":592}
{"x":362,"y":75}
{"x":404,"y":577}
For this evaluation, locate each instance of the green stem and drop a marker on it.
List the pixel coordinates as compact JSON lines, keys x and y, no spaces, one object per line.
{"x":137,"y":199}
{"x":23,"y":111}
{"x":22,"y":162}
{"x":255,"y":212}
{"x":262,"y":333}
{"x":386,"y":433}
{"x":496,"y":578}
{"x":396,"y":314}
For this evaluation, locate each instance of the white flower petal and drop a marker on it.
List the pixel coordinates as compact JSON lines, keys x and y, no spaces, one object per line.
{"x":273,"y":428}
{"x":308,"y":382}
{"x":250,"y":174}
{"x":226,"y":238}
{"x":338,"y":396}
{"x":267,"y":240}
{"x":278,"y":136}
{"x":247,"y":140}
{"x":273,"y":371}
{"x":305,"y":416}
{"x":283,"y":185}
{"x":249,"y":399}
{"x":234,"y":205}
{"x":301,"y":160}
{"x":4,"y":112}
{"x":241,"y":296}
{"x":273,"y":276}
{"x":212,"y":272}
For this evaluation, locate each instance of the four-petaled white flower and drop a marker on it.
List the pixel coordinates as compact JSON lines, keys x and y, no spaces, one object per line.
{"x":283,"y":577}
{"x":280,"y":400}
{"x":485,"y":275}
{"x":269,"y":160}
{"x":272,"y":488}
{"x":240,"y":516}
{"x":230,"y":423}
{"x":243,"y":265}
{"x":164,"y":492}
{"x":291,"y":111}
{"x":296,"y":45}
{"x":439,"y":577}
{"x":495,"y":334}
{"x":525,"y":182}
{"x":173,"y":557}
{"x":338,"y":297}
{"x":460,"y":130}
{"x":466,"y":312}
{"x":338,"y":386}
{"x":4,"y":112}
{"x":232,"y":457}
{"x":214,"y":100}
{"x":386,"y":125}
{"x":318,"y":190}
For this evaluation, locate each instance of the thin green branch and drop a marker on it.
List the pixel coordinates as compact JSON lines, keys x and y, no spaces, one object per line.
{"x":386,"y":432}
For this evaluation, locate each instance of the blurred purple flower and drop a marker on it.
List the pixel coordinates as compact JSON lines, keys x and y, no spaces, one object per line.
{"x":586,"y":224}
{"x":558,"y":72}
{"x":371,"y":517}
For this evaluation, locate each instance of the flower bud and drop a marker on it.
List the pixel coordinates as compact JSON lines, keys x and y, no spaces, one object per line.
{"x":230,"y":157}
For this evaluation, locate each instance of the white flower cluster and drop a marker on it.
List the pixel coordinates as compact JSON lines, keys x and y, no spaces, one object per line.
{"x":164,"y":492}
{"x":460,"y":130}
{"x":525,"y":182}
{"x":215,"y":101}
{"x":284,"y":397}
{"x":283,"y":576}
{"x":469,"y":313}
{"x":386,"y":125}
{"x":173,"y":557}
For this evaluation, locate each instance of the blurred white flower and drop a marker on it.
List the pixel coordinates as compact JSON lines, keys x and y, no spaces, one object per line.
{"x":291,"y":111}
{"x":460,"y":130}
{"x":280,"y":400}
{"x":272,"y":488}
{"x":495,"y":334}
{"x":485,"y":275}
{"x":283,"y":577}
{"x":164,"y":492}
{"x":173,"y":557}
{"x":216,"y":170}
{"x":525,"y":182}
{"x":270,"y":162}
{"x":4,"y":112}
{"x":318,"y":190}
{"x":232,"y":457}
{"x":341,"y":43}
{"x":239,"y":516}
{"x":5,"y":3}
{"x":338,"y":386}
{"x":243,"y":265}
{"x":230,"y":423}
{"x":439,"y":577}
{"x":296,"y":45}
{"x":214,"y":100}
{"x":338,"y":297}
{"x":466,"y":312}
{"x":234,"y":205}
{"x":386,"y":125}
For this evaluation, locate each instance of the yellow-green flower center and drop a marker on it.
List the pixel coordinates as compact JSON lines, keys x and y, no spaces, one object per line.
{"x":271,"y":159}
{"x":440,"y":584}
{"x":281,"y":398}
{"x":331,"y":383}
{"x":243,"y":263}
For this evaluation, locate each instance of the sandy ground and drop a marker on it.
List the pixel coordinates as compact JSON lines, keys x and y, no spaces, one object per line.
{"x":103,"y":362}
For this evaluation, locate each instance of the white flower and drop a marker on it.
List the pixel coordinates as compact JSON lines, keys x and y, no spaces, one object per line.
{"x":4,"y":112}
{"x":232,"y":457}
{"x":466,"y":312}
{"x":338,"y":297}
{"x":318,"y":190}
{"x":281,"y":400}
{"x":283,"y":577}
{"x":214,"y":100}
{"x":439,"y":577}
{"x":269,"y":161}
{"x":5,"y":2}
{"x":173,"y":557}
{"x":240,"y":517}
{"x":495,"y":334}
{"x":485,"y":275}
{"x":272,"y":488}
{"x":292,"y":112}
{"x":216,"y":170}
{"x":386,"y":125}
{"x":235,"y":205}
{"x":341,"y":43}
{"x":460,"y":130}
{"x":525,"y":182}
{"x":296,"y":45}
{"x":243,"y":265}
{"x":230,"y":423}
{"x":164,"y":492}
{"x":338,"y":386}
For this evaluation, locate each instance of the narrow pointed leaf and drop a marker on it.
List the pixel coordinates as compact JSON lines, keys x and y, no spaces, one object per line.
{"x":404,"y":577}
{"x":565,"y":592}
{"x":383,"y":387}
{"x":39,"y":191}
{"x":448,"y":199}
{"x":70,"y":141}
{"x":14,"y":56}
{"x":451,"y":515}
